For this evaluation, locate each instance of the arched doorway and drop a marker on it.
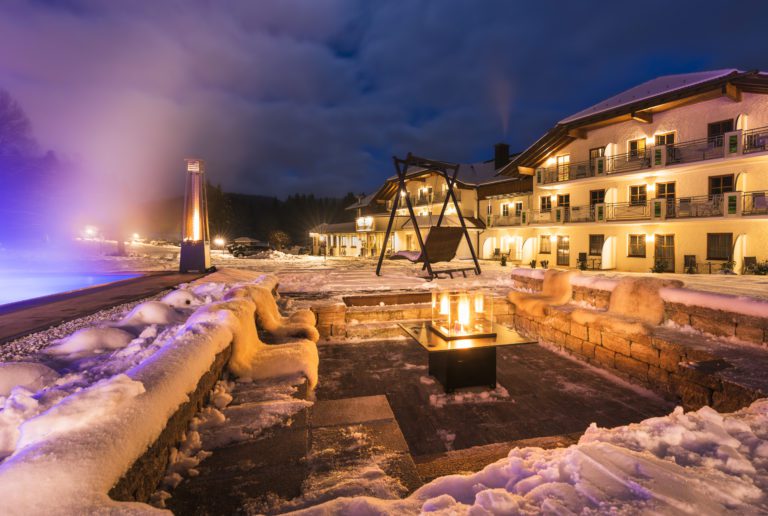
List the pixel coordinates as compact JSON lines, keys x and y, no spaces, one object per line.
{"x":608,"y":256}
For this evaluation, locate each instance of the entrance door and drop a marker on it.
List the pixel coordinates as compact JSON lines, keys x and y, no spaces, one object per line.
{"x":665,"y":251}
{"x":563,"y":251}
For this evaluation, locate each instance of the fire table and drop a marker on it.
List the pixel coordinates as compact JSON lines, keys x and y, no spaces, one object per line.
{"x":461,"y":339}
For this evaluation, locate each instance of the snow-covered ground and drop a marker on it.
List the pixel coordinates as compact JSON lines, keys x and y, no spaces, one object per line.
{"x":340,"y":274}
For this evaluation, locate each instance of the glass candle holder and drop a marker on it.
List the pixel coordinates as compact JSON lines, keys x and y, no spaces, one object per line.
{"x":461,"y":314}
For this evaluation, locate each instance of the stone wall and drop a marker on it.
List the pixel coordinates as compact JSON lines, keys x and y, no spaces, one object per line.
{"x":145,"y":475}
{"x":677,"y":365}
{"x":720,"y":323}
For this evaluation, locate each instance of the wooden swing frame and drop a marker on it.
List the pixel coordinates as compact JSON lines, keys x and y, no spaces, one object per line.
{"x":450,"y":172}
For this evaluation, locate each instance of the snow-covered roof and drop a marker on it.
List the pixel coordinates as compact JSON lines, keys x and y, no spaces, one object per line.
{"x":362,"y":203}
{"x":469,"y":173}
{"x":650,"y":89}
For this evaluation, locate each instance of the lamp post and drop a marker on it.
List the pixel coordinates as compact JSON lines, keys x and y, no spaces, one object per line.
{"x":195,"y":253}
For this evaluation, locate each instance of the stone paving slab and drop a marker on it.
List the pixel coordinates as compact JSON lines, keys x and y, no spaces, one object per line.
{"x":40,"y":314}
{"x":347,"y":411}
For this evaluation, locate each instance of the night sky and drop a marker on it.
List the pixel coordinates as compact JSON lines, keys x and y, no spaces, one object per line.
{"x":315,"y":96}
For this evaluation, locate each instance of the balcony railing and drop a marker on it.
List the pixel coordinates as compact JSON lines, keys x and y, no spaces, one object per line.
{"x":754,"y":203}
{"x":628,"y":211}
{"x":697,"y":150}
{"x":422,"y":199}
{"x":753,"y":140}
{"x":506,"y":220}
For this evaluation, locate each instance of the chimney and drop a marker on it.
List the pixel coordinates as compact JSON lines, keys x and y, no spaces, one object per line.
{"x":500,"y":155}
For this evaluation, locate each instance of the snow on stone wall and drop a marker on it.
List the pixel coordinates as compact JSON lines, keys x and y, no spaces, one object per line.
{"x":68,"y":448}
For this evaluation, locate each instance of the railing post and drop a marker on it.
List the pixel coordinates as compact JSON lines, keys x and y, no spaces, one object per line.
{"x":732,"y":204}
{"x":734,"y":143}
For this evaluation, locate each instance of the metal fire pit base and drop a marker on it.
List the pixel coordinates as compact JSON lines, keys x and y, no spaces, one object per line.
{"x":458,"y":368}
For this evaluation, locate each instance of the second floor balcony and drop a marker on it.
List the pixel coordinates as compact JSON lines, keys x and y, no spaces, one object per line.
{"x":733,"y":144}
{"x":702,"y":206}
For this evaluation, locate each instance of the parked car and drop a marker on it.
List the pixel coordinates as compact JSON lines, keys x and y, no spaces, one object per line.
{"x":245,"y":246}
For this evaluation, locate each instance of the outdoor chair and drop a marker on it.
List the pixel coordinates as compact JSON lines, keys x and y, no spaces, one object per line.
{"x":497,"y":254}
{"x":582,"y":261}
{"x":440,"y":246}
{"x":749,"y":265}
{"x":689,"y":264}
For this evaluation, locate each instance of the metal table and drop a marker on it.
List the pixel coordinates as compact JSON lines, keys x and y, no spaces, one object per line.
{"x":463,"y":362}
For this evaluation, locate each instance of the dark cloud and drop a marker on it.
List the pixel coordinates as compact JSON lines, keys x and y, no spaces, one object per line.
{"x":314,"y":96}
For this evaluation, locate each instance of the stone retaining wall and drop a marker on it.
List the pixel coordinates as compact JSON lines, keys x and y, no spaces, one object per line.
{"x":671,"y":362}
{"x":720,"y":323}
{"x":145,"y":475}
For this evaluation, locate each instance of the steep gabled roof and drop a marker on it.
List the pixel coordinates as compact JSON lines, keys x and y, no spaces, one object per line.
{"x":640,"y":101}
{"x":649,"y":89}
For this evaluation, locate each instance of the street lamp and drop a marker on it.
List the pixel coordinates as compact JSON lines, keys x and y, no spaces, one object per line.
{"x":195,"y":239}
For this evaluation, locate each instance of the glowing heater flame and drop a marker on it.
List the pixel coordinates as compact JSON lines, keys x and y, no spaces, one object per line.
{"x":445,"y":305}
{"x":196,"y":232}
{"x":479,"y":303}
{"x":463,"y":316}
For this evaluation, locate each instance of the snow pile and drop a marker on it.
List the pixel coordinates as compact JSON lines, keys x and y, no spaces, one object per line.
{"x":182,"y":298}
{"x":465,"y":396}
{"x":700,"y":462}
{"x":89,"y":341}
{"x":150,"y":312}
{"x":27,"y":375}
{"x":300,"y":324}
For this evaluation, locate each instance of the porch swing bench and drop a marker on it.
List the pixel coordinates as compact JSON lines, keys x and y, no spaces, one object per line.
{"x":442,"y":242}
{"x":441,"y":245}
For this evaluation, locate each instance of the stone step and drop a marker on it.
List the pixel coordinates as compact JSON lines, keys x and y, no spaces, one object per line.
{"x":476,"y":458}
{"x":388,"y":313}
{"x":377,"y":330}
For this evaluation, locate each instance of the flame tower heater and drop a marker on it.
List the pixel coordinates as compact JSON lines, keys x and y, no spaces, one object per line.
{"x":195,"y":238}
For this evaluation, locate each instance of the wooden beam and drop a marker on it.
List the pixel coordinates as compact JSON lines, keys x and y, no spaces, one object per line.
{"x":732,"y":92}
{"x":645,"y":118}
{"x":579,"y":133}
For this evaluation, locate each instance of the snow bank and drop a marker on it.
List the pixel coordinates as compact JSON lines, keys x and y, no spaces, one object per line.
{"x":700,"y":462}
{"x":182,"y":298}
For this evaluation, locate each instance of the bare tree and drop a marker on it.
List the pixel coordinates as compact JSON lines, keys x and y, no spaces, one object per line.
{"x":279,"y":239}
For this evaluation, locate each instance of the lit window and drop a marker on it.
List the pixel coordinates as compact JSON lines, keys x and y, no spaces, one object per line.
{"x":545,"y":244}
{"x":636,"y":246}
{"x":638,"y":195}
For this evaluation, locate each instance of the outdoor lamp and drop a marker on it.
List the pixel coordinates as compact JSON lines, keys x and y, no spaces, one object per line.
{"x":195,"y":240}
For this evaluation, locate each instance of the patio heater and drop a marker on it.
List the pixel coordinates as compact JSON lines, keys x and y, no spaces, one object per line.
{"x":195,"y":253}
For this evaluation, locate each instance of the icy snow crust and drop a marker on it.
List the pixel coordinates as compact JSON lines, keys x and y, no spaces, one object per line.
{"x":696,"y":463}
{"x":68,"y":439}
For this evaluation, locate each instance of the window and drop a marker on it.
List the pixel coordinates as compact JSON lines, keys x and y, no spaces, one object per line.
{"x":563,"y":167}
{"x":546,"y":204}
{"x":637,"y":195}
{"x":490,"y":208}
{"x":636,"y":246}
{"x":597,"y":152}
{"x":563,"y":201}
{"x":716,"y":130}
{"x":505,"y":210}
{"x":545,"y":244}
{"x":637,"y":148}
{"x":665,"y":190}
{"x":518,"y":209}
{"x":718,"y":185}
{"x":719,"y":246}
{"x":596,"y":197}
{"x":665,"y":139}
{"x":596,"y":245}
{"x":563,"y":251}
